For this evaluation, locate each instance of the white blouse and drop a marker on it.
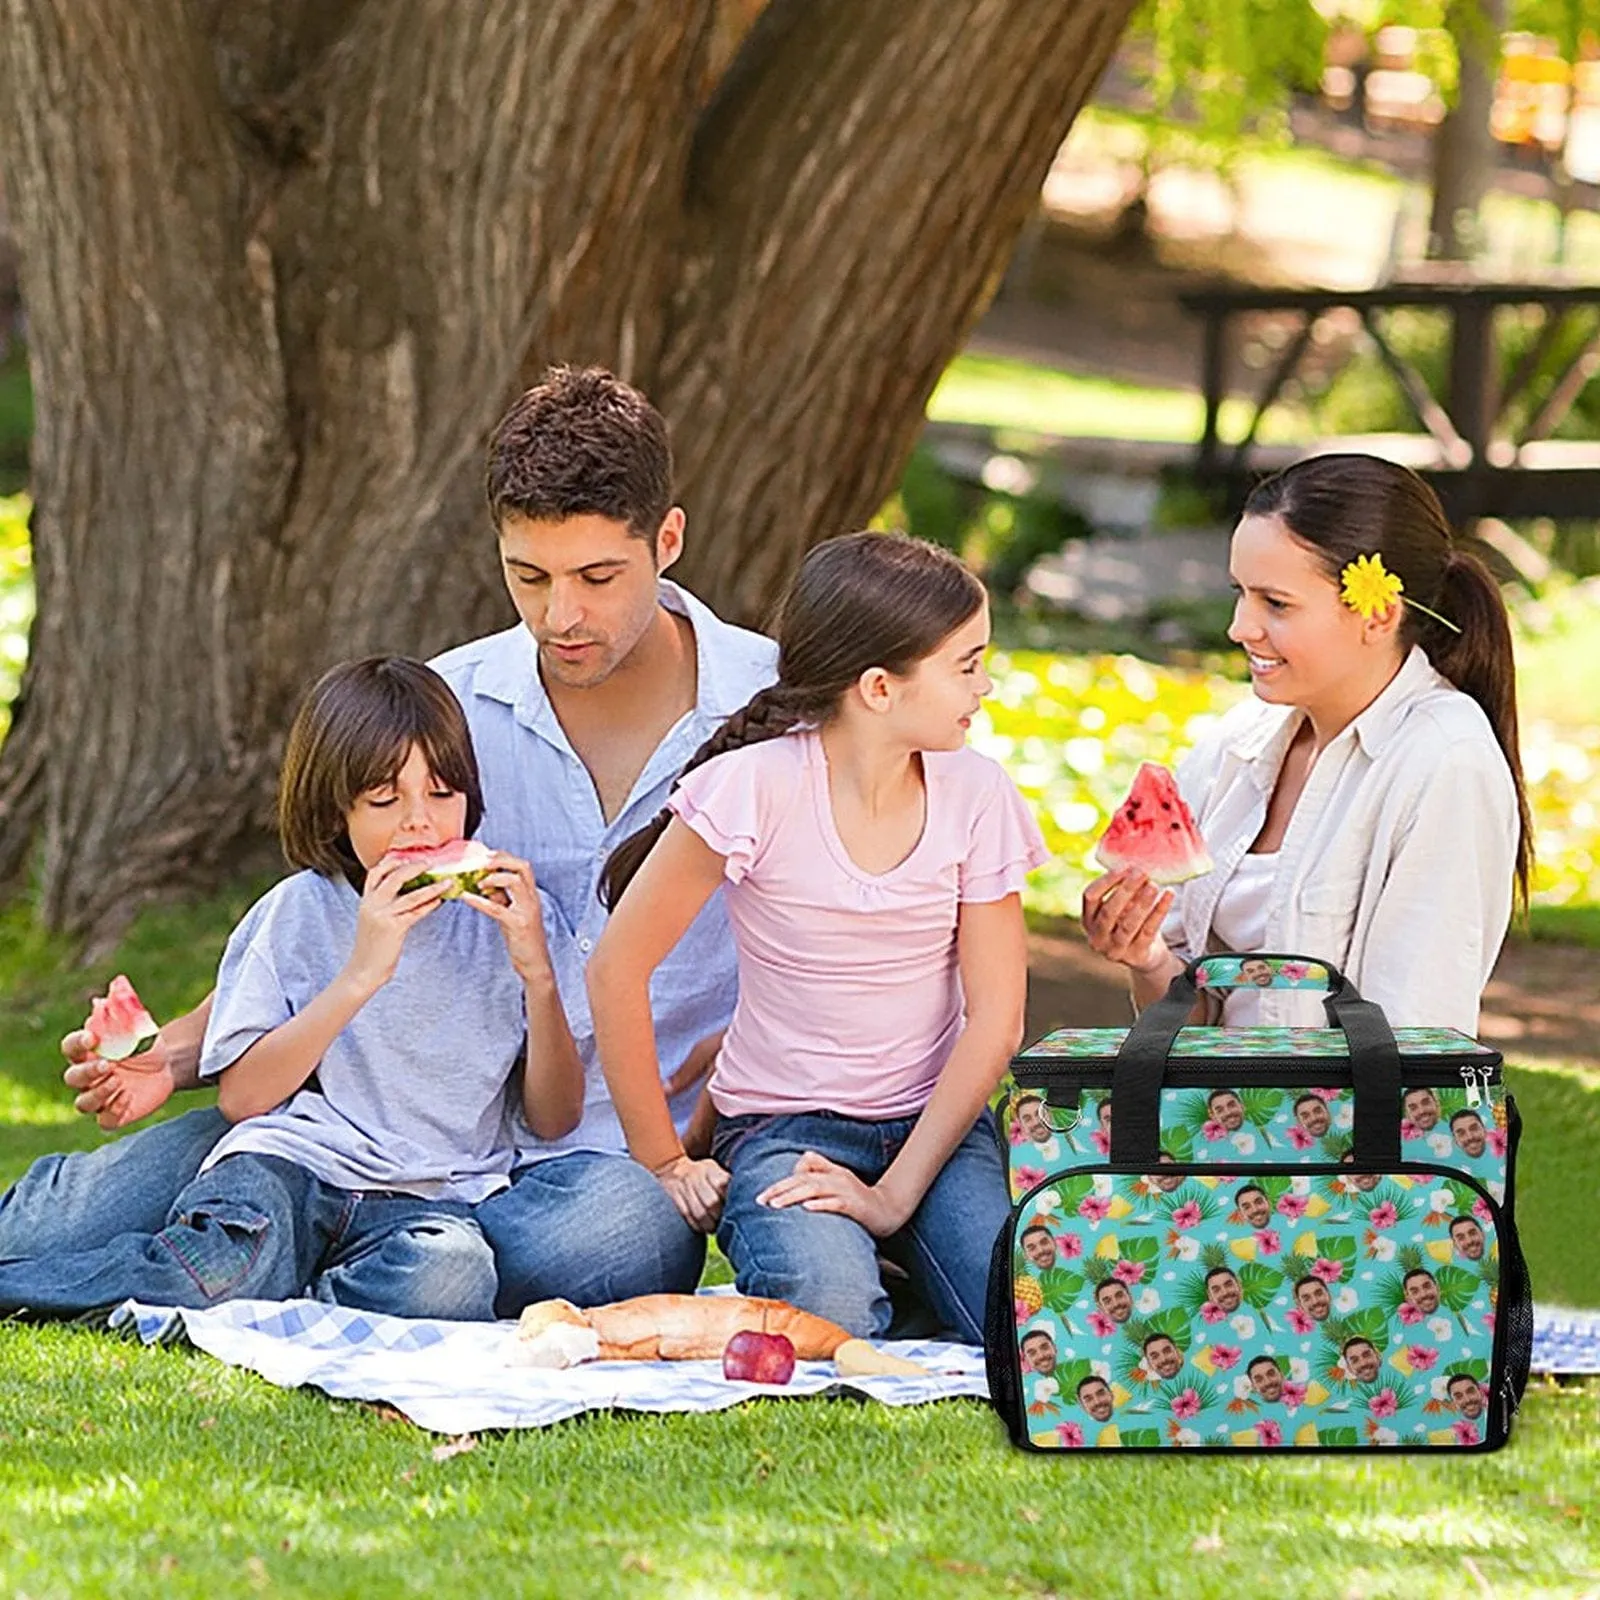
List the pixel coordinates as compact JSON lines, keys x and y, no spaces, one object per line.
{"x":1396,"y":865}
{"x":1240,"y":923}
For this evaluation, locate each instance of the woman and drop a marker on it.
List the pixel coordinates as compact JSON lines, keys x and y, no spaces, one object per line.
{"x":1367,"y":805}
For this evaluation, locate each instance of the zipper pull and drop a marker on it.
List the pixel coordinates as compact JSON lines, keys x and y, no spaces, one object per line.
{"x":1469,"y":1076}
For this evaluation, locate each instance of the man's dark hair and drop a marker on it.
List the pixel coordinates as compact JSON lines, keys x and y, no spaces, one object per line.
{"x":1251,"y":1188}
{"x":582,"y":443}
{"x":1466,"y":1112}
{"x":1035,"y":1227}
{"x":1464,"y":1218}
{"x":1417,"y":1272}
{"x":1357,"y":1338}
{"x":1270,"y":1361}
{"x":1458,"y":1377}
{"x":1094,"y":1377}
{"x":1150,"y":1339}
{"x":1211,"y":1099}
{"x":1222,"y":1272}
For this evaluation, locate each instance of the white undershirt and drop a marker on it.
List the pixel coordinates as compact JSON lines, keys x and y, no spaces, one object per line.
{"x":1240,"y":923}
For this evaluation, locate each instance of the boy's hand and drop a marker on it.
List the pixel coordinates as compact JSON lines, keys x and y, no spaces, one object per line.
{"x":385,"y":918}
{"x":509,"y":894}
{"x":116,"y":1093}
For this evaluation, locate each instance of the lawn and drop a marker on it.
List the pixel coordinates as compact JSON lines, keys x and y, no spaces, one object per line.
{"x":132,"y":1471}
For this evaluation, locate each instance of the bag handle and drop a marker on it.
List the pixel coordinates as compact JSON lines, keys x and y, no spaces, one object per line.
{"x":1141,"y":1063}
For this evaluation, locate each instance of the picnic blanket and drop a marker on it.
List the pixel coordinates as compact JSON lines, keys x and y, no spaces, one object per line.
{"x":456,"y":1377}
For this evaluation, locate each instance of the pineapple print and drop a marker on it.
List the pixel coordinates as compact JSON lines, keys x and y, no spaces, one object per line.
{"x":1029,"y":1297}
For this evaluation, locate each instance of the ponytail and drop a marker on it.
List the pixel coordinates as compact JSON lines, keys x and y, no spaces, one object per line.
{"x":768,"y":714}
{"x":1479,"y":661}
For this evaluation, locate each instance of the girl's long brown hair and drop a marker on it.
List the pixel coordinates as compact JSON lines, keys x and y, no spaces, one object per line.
{"x":1348,"y":505}
{"x":859,"y":601}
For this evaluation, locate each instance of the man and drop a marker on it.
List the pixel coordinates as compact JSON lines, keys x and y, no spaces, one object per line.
{"x":1361,"y":1359}
{"x":1311,"y":1112}
{"x":582,"y":716}
{"x":1039,"y":1246}
{"x":1470,"y":1135}
{"x":1257,"y":971}
{"x":1252,"y":1204}
{"x":1166,"y":1182}
{"x":1223,"y":1290}
{"x":1162,"y":1356}
{"x":1266,"y":1378}
{"x":1421,"y":1290}
{"x":1227,"y":1108}
{"x":1039,"y":1350}
{"x":1466,"y":1395}
{"x":1114,"y":1299}
{"x":1467,"y":1236}
{"x":1421,"y":1108}
{"x":1312,"y":1297}
{"x":1032,"y":1120}
{"x":1095,"y":1396}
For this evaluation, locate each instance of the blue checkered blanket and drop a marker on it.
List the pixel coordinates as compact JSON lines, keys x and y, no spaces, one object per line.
{"x":457,"y":1377}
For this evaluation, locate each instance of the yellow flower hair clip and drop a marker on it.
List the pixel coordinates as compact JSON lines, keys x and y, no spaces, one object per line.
{"x":1369,"y":589}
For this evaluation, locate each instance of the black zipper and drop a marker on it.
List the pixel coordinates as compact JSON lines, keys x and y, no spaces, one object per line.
{"x":1505,"y":1232}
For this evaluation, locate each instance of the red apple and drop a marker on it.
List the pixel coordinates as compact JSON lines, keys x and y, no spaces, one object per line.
{"x":758,"y":1357}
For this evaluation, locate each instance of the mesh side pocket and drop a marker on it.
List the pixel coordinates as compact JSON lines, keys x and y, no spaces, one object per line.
{"x":999,"y":1353}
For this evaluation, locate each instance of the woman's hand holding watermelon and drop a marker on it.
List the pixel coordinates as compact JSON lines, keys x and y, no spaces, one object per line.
{"x":1122,"y":916}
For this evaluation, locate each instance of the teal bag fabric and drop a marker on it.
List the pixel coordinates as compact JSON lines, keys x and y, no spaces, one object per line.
{"x":1258,"y":1239}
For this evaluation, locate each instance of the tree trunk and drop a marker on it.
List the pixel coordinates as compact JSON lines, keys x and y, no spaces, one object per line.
{"x":1463,"y":148}
{"x":275,"y":307}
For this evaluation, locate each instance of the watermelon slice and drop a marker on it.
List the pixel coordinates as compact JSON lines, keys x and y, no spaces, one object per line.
{"x":119,"y":1024}
{"x":460,"y":864}
{"x":1154,"y":831}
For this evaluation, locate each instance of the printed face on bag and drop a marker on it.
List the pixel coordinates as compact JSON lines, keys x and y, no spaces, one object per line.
{"x":1311,"y":1112}
{"x":1114,"y":1299}
{"x":1227,"y":1108}
{"x":1031,"y":1120}
{"x":1467,"y":1237}
{"x":1222,"y":1290}
{"x":1166,"y":1182}
{"x":1422,"y":1291}
{"x":1162,"y":1356}
{"x":1254,"y":1206}
{"x":1094,"y":1395}
{"x":1361,"y":1360}
{"x":1466,"y":1395}
{"x":1422,"y":1109}
{"x":1266,"y":1377}
{"x":1468,"y":1131}
{"x":1040,"y":1349}
{"x":1257,"y":971}
{"x":1366,"y":1182}
{"x":1039,"y":1247}
{"x":1312,"y":1297}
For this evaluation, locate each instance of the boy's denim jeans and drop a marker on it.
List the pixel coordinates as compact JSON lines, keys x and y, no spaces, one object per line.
{"x":828,"y":1264}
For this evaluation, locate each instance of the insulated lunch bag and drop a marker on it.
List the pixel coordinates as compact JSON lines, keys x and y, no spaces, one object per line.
{"x":1258,"y":1238}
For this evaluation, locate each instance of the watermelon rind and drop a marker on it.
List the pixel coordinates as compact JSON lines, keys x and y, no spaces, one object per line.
{"x":460,"y":879}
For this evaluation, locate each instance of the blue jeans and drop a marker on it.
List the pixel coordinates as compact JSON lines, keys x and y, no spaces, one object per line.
{"x":87,"y":1198}
{"x":258,"y":1227}
{"x":589,"y":1228}
{"x":828,"y":1264}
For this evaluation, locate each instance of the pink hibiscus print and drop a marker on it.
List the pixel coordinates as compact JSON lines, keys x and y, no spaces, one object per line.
{"x":1409,"y":1129}
{"x":1070,"y":1434}
{"x":1383,"y":1403}
{"x":1384,"y":1216}
{"x":1465,"y":1432}
{"x":1409,"y":1314}
{"x":1186,"y":1405}
{"x":1101,"y":1324}
{"x":1024,"y":1178}
{"x":1023,"y":1311}
{"x":1299,"y":1138}
{"x":1294,"y":971}
{"x":1212,"y":1312}
{"x":1268,"y":1432}
{"x":1328,"y":1271}
{"x":1488,"y":1320}
{"x":1224,"y":1356}
{"x":1292,"y":1206}
{"x":1421,"y":1356}
{"x":1497,"y":1141}
{"x":1128,"y":1272}
{"x":1300,"y":1322}
{"x":1268,"y":1241}
{"x":1101,"y":1141}
{"x":1330,"y":1095}
{"x":1214,"y":1131}
{"x":1187,"y":1215}
{"x":1480,"y":1209}
{"x":1070,"y":1245}
{"x":1095,"y":1207}
{"x":1017,"y":1136}
{"x":1293,"y":1395}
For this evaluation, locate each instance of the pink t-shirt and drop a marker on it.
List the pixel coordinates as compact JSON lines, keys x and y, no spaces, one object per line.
{"x":849,"y":992}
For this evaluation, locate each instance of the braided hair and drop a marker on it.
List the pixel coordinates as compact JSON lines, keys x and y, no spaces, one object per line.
{"x":860,"y":601}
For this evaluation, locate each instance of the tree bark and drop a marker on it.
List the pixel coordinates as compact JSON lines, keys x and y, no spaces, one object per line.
{"x":1463,"y":148}
{"x":276,"y":305}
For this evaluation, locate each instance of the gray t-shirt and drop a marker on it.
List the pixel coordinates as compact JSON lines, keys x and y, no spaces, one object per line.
{"x":412,"y":1094}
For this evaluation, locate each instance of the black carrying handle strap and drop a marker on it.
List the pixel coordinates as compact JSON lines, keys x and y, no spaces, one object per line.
{"x":1141,"y":1066}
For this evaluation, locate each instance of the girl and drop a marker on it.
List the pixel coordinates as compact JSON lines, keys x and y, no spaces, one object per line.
{"x":873,"y":865}
{"x":362,"y":1037}
{"x":1367,"y":806}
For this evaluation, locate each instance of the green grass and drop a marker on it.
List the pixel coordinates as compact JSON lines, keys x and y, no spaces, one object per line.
{"x":1566,"y":925}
